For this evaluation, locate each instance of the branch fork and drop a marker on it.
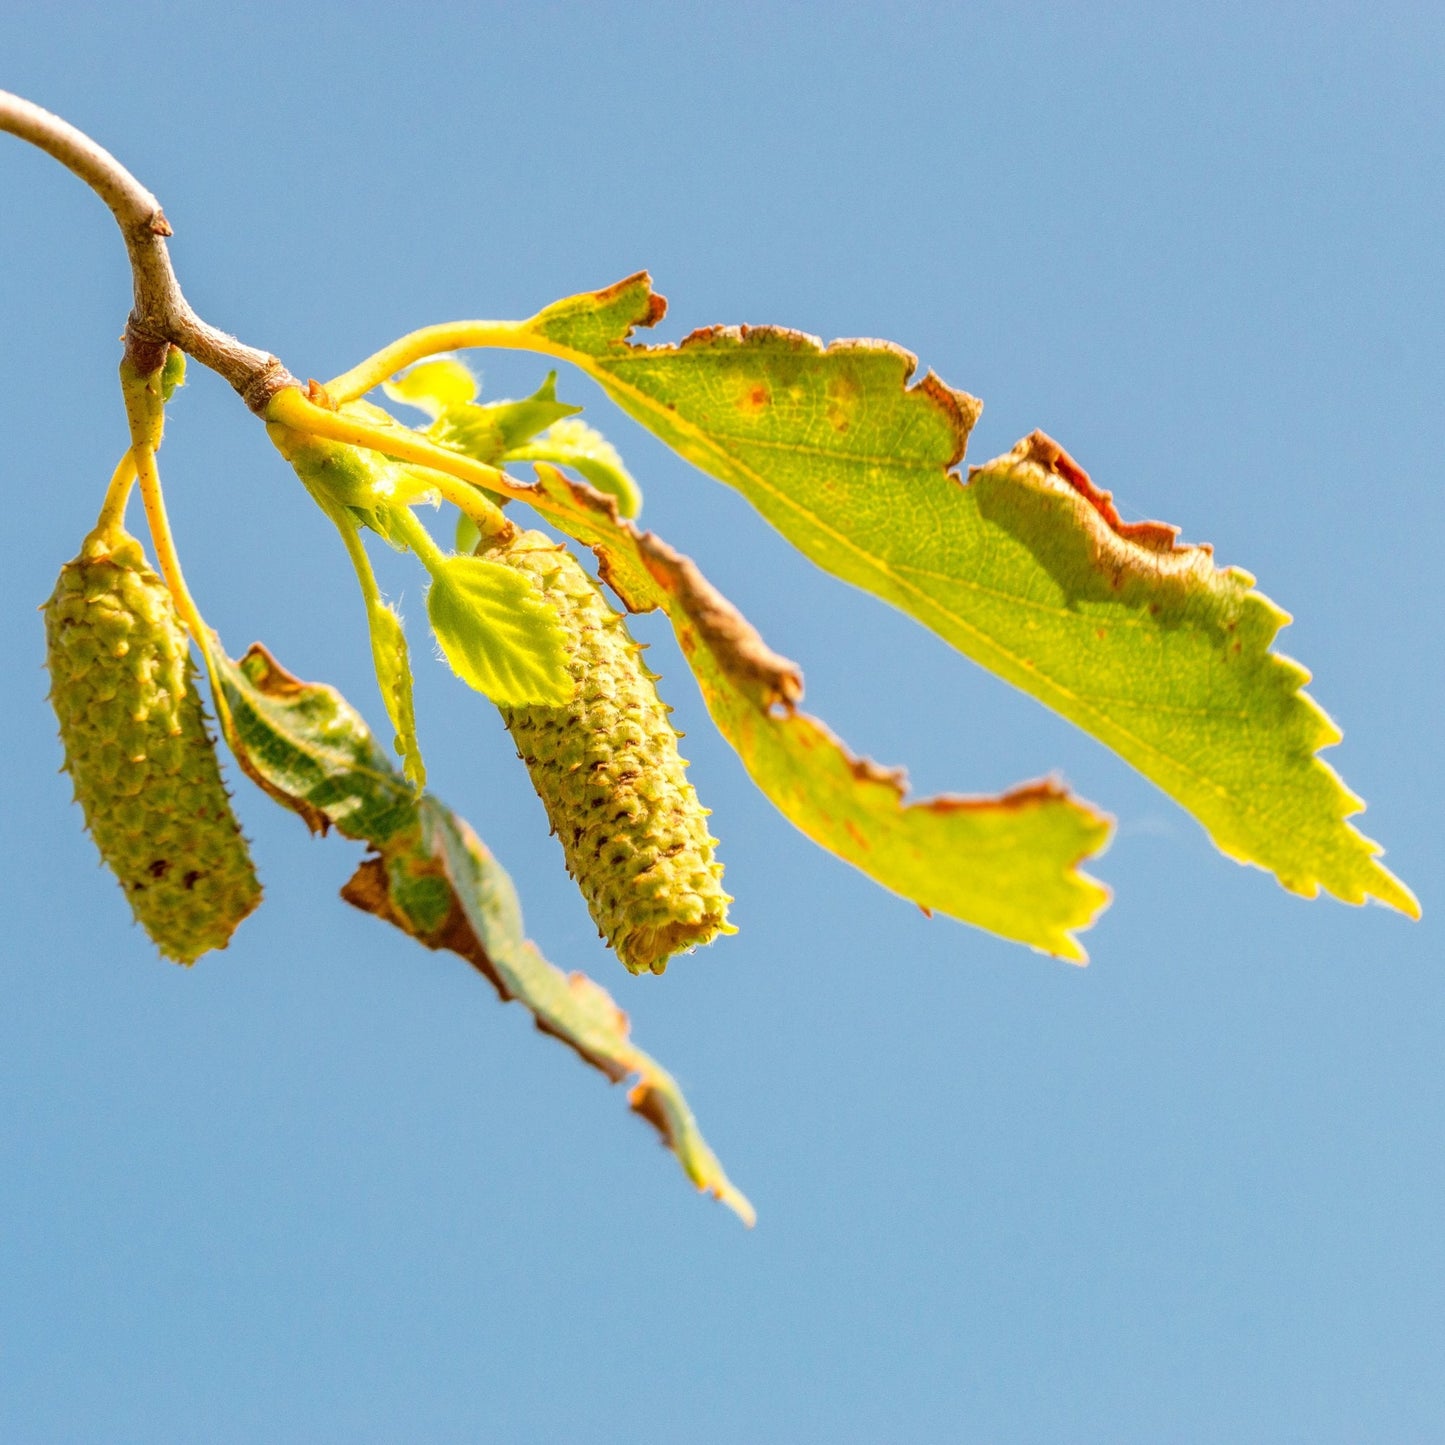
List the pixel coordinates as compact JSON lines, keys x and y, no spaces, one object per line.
{"x":161,"y":316}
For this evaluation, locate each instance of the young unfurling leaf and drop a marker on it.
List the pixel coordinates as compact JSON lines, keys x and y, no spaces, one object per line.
{"x":497,"y":632}
{"x":390,"y":656}
{"x":434,"y":386}
{"x":392,"y":661}
{"x":445,"y":389}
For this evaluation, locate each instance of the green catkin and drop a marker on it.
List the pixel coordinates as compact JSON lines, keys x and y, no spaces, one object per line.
{"x":607,"y":769}
{"x":138,"y":752}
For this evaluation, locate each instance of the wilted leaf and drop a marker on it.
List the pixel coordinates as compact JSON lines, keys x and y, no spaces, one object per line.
{"x":1007,"y":864}
{"x":432,"y":878}
{"x":1026,"y":568}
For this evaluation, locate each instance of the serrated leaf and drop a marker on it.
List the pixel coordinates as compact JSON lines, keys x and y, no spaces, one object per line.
{"x":432,"y":877}
{"x":1007,"y":864}
{"x":574,"y":444}
{"x":1026,"y":568}
{"x":497,"y":632}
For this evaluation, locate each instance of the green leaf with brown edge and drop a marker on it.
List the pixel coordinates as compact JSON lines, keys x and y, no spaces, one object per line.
{"x":572,"y":443}
{"x":1026,"y":568}
{"x":1007,"y":864}
{"x":431,"y":876}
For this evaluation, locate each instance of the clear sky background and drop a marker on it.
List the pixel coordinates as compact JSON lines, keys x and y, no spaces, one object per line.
{"x":323,"y":1186}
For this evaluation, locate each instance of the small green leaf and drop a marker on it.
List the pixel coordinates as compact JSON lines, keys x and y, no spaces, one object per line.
{"x":433,"y":386}
{"x":517,"y":421}
{"x":1026,"y":567}
{"x":1007,"y":864}
{"x":433,"y":878}
{"x":497,"y":632}
{"x":173,"y":372}
{"x":389,"y":654}
{"x":445,"y":389}
{"x":574,"y":444}
{"x":393,"y":673}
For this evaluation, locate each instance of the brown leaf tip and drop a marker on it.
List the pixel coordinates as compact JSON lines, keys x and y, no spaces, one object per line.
{"x":267,"y":675}
{"x":655,"y":305}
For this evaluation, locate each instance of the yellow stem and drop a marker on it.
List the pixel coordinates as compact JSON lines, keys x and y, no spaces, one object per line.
{"x":490,"y":519}
{"x":145,"y":414}
{"x":112,"y":510}
{"x":449,"y":336}
{"x":292,"y":409}
{"x":165,"y":545}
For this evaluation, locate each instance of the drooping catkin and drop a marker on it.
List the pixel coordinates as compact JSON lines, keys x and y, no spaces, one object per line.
{"x":138,"y":752}
{"x":607,"y":769}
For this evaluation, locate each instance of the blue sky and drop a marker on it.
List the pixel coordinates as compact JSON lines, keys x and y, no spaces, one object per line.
{"x":323,"y":1186}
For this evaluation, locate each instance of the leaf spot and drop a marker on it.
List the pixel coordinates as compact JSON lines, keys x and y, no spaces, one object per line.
{"x":755,"y":400}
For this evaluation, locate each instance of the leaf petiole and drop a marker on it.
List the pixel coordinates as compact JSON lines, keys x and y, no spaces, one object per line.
{"x":430,"y":341}
{"x":145,"y":415}
{"x":416,"y":536}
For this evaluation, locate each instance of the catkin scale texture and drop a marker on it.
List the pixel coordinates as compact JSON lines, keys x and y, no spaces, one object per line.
{"x":138,"y":752}
{"x":607,"y":769}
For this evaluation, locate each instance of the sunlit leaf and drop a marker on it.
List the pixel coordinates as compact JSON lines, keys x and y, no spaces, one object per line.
{"x":434,"y":386}
{"x":173,"y":372}
{"x":431,"y":877}
{"x":574,"y":444}
{"x":393,"y":672}
{"x":497,"y":632}
{"x":1026,"y":567}
{"x":1007,"y":864}
{"x":445,"y":390}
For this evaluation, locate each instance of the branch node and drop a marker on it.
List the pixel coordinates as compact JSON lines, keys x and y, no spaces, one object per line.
{"x":144,"y":349}
{"x":264,"y":384}
{"x":161,"y":315}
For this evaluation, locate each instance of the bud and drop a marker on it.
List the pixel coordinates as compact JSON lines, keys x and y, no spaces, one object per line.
{"x":607,"y":769}
{"x":137,"y":750}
